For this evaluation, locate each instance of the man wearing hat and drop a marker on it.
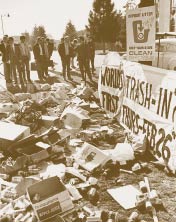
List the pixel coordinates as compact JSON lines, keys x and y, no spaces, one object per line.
{"x":65,"y":52}
{"x":25,"y":55}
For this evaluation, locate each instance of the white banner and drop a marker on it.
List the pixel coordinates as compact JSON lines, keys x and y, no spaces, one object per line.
{"x":144,"y":98}
{"x":140,"y":26}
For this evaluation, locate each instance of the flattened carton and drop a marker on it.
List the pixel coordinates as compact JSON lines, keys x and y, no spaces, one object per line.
{"x":90,"y":157}
{"x":53,"y":198}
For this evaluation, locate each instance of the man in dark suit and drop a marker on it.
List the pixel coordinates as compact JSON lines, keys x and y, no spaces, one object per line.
{"x":25,"y":56}
{"x":65,"y":52}
{"x":50,"y":45}
{"x":91,"y":53}
{"x":6,"y":64}
{"x":14,"y":56}
{"x":83,"y":59}
{"x":38,"y":51}
{"x":45,"y":57}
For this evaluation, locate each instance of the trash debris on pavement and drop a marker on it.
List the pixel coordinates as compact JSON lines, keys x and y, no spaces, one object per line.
{"x":63,"y":147}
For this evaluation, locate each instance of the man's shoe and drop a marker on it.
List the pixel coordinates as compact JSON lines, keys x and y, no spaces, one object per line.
{"x":70,"y":78}
{"x":29,"y":80}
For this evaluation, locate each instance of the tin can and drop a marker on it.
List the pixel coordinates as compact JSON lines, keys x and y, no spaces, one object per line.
{"x":143,"y":186}
{"x":17,"y":179}
{"x":32,"y":166}
{"x":148,"y":205}
{"x":134,"y":216}
{"x":93,"y":195}
{"x":140,"y":201}
{"x":92,"y":180}
{"x":34,"y":171}
{"x":17,"y":219}
{"x":27,"y":216}
{"x":136,"y":167}
{"x":22,"y":173}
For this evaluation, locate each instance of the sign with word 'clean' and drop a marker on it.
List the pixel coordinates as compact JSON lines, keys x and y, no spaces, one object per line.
{"x":140,"y":25}
{"x":144,"y":100}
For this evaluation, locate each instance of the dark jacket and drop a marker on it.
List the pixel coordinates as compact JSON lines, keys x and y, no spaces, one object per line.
{"x":61,"y":50}
{"x":36,"y":51}
{"x":82,"y":52}
{"x":91,"y":49}
{"x":3,"y":50}
{"x":15,"y":55}
{"x":50,"y":48}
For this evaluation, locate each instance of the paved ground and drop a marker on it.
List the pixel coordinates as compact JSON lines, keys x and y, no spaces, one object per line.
{"x":164,"y":184}
{"x":58,"y":70}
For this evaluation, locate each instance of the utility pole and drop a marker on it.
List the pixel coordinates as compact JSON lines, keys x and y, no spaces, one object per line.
{"x":2,"y":24}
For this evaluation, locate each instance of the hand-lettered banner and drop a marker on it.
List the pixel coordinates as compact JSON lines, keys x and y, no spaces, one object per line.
{"x":144,"y":100}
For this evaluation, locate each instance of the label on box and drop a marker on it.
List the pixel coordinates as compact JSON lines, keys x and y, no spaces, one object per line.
{"x":48,"y":211}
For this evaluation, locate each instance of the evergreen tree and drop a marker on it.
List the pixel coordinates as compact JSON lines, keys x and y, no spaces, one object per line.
{"x":145,"y":3}
{"x":103,"y":21}
{"x":38,"y":31}
{"x":122,"y":33}
{"x":70,"y":31}
{"x":41,"y":31}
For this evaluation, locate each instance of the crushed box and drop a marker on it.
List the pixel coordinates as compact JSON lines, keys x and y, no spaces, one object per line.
{"x":54,"y":198}
{"x":11,"y":132}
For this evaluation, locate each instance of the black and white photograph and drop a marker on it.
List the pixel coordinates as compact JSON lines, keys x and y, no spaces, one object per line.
{"x":87,"y":110}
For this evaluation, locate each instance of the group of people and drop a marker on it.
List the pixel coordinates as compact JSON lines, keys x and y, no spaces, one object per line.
{"x":43,"y":50}
{"x":84,"y":50}
{"x":16,"y":59}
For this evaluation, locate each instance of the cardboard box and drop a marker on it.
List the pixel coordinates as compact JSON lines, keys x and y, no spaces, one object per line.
{"x":74,"y":117}
{"x":10,"y":132}
{"x":8,"y":107}
{"x":54,"y":198}
{"x":48,"y":121}
{"x":89,"y":157}
{"x":35,"y":152}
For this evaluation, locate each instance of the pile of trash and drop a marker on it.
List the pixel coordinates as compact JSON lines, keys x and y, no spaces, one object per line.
{"x":55,"y":146}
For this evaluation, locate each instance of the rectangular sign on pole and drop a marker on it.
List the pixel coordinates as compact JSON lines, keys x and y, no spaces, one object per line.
{"x":140,"y":26}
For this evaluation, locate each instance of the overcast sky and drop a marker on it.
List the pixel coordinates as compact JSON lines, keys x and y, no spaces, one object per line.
{"x":53,"y":14}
